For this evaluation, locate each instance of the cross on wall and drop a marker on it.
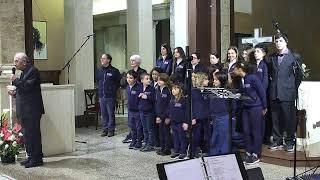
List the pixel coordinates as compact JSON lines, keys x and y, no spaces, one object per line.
{"x":257,"y":38}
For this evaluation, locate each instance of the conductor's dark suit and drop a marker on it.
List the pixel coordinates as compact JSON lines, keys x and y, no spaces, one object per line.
{"x":30,"y":108}
{"x":284,"y":80}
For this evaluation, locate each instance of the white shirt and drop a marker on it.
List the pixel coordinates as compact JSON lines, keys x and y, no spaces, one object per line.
{"x":194,"y":66}
{"x":231,"y":63}
{"x":178,"y":61}
{"x":258,"y":62}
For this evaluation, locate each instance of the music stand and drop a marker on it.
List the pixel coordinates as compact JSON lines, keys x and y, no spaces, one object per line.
{"x":203,"y":168}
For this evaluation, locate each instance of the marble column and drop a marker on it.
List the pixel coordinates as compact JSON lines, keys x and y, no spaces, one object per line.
{"x":140,"y":31}
{"x":225,"y":11}
{"x":79,"y":24}
{"x":179,"y":23}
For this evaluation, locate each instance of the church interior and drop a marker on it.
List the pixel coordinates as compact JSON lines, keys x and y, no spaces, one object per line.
{"x":73,"y":36}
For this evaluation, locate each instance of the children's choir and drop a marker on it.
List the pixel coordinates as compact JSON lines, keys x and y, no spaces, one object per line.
{"x":157,"y":105}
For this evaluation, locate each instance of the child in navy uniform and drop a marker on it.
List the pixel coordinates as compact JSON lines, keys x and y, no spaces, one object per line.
{"x":163,"y":97}
{"x":199,"y":114}
{"x":146,"y":107}
{"x":178,"y":118}
{"x":218,"y":108}
{"x":155,"y":72}
{"x":253,"y":109}
{"x":134,"y":121}
{"x":260,"y":52}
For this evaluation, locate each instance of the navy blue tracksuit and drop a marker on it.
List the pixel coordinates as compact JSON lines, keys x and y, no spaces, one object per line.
{"x":165,"y":65}
{"x":108,"y":79}
{"x":263,"y":76}
{"x":146,"y":108}
{"x":219,"y":114}
{"x":178,"y":116}
{"x":200,"y":113}
{"x":179,"y":71}
{"x":162,"y":111}
{"x":134,"y":120}
{"x":252,"y":113}
{"x":199,"y":68}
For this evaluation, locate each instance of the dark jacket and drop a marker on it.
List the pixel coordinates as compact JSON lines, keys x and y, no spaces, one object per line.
{"x":133,"y":99}
{"x":199,"y":68}
{"x":28,"y":97}
{"x":140,"y":71}
{"x":262,"y":73}
{"x":123,"y":81}
{"x":179,"y":71}
{"x":253,"y":88}
{"x":147,"y":105}
{"x":165,"y":65}
{"x":108,"y":79}
{"x":218,"y":107}
{"x":200,"y":105}
{"x":162,"y":102}
{"x":178,"y":110}
{"x":284,"y":77}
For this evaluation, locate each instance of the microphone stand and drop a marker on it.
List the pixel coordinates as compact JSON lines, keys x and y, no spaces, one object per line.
{"x":188,"y":83}
{"x":68,"y":63}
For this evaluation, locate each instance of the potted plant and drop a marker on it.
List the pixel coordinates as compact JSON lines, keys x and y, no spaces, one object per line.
{"x":10,"y":141}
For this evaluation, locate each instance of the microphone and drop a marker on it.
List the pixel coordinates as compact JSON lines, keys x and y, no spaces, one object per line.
{"x":91,"y":35}
{"x":13,"y":70}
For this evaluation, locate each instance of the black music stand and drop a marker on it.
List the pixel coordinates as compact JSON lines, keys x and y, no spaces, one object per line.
{"x":202,"y":168}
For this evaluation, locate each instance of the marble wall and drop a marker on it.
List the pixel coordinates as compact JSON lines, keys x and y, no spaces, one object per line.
{"x":12,"y":34}
{"x":225,"y":27}
{"x":139,"y":31}
{"x":79,"y":24}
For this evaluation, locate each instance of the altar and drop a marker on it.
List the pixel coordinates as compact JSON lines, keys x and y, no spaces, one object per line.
{"x":309,"y":100}
{"x":58,"y":122}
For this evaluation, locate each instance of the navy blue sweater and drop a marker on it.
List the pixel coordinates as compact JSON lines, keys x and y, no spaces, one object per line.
{"x":199,"y":68}
{"x":162,"y":102}
{"x":147,"y":105}
{"x":262,"y":73}
{"x":253,"y":88}
{"x":179,"y":71}
{"x":178,"y":110}
{"x":199,"y":105}
{"x":218,"y":107}
{"x":165,"y":65}
{"x":133,"y":99}
{"x":108,"y":79}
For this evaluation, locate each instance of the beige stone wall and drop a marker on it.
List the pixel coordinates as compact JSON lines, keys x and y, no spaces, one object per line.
{"x":11,"y":29}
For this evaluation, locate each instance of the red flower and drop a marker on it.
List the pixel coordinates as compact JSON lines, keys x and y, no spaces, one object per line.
{"x":17,"y":128}
{"x":6,"y":133}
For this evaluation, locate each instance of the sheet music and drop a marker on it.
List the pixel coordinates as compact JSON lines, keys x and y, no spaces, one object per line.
{"x":224,"y":167}
{"x":186,"y":170}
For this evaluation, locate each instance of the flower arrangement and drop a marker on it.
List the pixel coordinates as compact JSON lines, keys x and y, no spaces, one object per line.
{"x":10,"y":140}
{"x":306,"y":71}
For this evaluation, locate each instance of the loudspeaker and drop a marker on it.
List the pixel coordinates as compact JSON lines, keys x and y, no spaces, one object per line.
{"x":255,"y":174}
